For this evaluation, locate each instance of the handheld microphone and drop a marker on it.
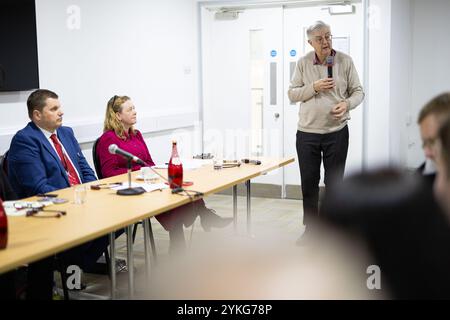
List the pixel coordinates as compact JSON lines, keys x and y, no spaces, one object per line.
{"x":251,"y":161}
{"x":114,"y":149}
{"x":330,"y":62}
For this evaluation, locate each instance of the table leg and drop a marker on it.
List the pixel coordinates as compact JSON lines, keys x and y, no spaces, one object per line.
{"x":112,"y":263}
{"x":130,"y":261}
{"x":235,"y":208}
{"x":152,"y":242}
{"x":147,"y":248}
{"x":249,"y":209}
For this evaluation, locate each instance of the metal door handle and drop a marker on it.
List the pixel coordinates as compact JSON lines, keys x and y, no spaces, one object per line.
{"x":277,"y":115}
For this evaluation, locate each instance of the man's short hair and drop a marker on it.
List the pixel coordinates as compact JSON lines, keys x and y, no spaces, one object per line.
{"x":438,"y":106}
{"x":318,"y":25}
{"x":36,"y":100}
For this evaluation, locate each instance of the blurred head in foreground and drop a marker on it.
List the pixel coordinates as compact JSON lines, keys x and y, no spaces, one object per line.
{"x":442,"y":182}
{"x":392,"y":211}
{"x":431,"y":118}
{"x":264,"y":267}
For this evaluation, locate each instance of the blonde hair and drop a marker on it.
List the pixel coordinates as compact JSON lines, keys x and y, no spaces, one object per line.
{"x":111,"y":122}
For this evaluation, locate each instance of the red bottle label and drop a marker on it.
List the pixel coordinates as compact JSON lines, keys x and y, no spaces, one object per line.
{"x":3,"y":227}
{"x":3,"y":237}
{"x":175,"y":173}
{"x":175,"y":169}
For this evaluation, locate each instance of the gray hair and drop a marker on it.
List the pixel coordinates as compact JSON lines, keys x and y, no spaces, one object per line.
{"x":318,"y":25}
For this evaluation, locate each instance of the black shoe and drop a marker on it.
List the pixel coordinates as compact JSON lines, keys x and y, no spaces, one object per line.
{"x":121,"y":266}
{"x":103,"y":268}
{"x":209,"y":219}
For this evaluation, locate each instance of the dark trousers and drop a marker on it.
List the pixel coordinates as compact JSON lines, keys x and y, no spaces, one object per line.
{"x":311,"y":149}
{"x":7,"y":286}
{"x":40,"y":279}
{"x":40,"y":273}
{"x":86,"y":255}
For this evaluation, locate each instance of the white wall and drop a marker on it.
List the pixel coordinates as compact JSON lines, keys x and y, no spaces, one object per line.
{"x":430,"y":63}
{"x":146,"y":49}
{"x":400,"y":80}
{"x":378,"y":89}
{"x":408,"y":42}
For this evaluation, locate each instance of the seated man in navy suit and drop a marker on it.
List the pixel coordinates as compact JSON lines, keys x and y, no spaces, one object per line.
{"x":44,"y":157}
{"x":35,"y":164}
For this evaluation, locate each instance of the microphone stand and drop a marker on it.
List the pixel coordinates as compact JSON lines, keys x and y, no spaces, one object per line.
{"x":178,"y":188}
{"x":130,"y":191}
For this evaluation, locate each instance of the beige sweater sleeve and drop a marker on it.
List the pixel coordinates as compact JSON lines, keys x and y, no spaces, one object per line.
{"x":298,"y":91}
{"x":355,"y":90}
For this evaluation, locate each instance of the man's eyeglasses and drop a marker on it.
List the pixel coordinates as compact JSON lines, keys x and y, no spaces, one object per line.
{"x":37,"y":210}
{"x":41,"y":213}
{"x":328,"y":38}
{"x":428,"y":143}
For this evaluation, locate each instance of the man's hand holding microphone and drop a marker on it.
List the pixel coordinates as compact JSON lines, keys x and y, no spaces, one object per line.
{"x":324,"y":84}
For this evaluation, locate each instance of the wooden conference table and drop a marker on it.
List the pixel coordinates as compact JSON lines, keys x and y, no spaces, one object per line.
{"x":31,"y":239}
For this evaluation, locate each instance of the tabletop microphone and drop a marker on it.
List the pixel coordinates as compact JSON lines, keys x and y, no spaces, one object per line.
{"x":251,"y":161}
{"x":330,"y":62}
{"x":114,"y":149}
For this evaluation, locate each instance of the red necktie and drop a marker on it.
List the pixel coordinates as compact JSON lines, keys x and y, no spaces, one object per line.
{"x":71,"y":172}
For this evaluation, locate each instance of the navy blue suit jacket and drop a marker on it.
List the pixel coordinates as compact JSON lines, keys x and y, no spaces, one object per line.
{"x":34,"y":166}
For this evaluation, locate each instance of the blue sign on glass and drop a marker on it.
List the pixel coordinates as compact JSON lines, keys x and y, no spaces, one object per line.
{"x":293,"y":53}
{"x":273,"y":53}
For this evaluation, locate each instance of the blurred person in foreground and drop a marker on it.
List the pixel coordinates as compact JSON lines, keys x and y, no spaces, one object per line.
{"x":431,"y":118}
{"x":269,"y":266}
{"x":442,"y":182}
{"x":392,"y":212}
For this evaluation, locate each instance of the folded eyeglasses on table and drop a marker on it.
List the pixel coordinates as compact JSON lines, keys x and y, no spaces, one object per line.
{"x":36,"y":209}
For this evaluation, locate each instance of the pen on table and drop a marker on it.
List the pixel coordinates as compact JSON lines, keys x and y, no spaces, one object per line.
{"x":47,"y":195}
{"x":107,"y":185}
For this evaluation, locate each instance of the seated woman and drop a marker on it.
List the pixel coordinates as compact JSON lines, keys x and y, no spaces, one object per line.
{"x":118,"y":129}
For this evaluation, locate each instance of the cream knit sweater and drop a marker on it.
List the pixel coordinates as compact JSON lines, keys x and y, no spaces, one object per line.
{"x":314,"y":114}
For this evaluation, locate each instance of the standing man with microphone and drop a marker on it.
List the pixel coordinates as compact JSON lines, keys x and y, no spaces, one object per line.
{"x":326,"y":84}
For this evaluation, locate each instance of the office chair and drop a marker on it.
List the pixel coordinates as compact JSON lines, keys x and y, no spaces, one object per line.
{"x":7,"y":192}
{"x":98,"y":171}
